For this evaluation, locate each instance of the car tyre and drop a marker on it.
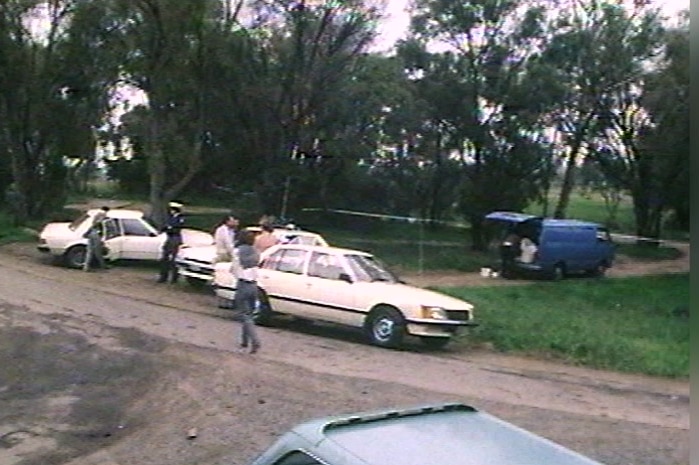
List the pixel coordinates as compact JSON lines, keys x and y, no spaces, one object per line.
{"x":558,"y":273}
{"x":194,"y":282}
{"x":386,"y":327}
{"x":600,"y":270}
{"x":263,"y":311}
{"x":434,"y":343}
{"x":75,"y":256}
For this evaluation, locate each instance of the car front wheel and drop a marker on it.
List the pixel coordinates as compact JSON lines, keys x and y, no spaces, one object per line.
{"x":75,"y":256}
{"x":386,"y":327}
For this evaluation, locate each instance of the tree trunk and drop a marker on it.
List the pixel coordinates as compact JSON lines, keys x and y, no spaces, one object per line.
{"x":478,"y":242}
{"x":569,"y":175}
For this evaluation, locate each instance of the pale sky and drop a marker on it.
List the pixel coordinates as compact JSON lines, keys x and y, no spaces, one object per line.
{"x":397,"y":20}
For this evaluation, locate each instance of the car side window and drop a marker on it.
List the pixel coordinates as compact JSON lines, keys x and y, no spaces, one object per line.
{"x":297,"y":458}
{"x":291,"y":261}
{"x":110,"y":229}
{"x":134,"y":227}
{"x":323,"y":265}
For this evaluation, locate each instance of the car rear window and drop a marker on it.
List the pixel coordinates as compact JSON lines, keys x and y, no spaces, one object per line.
{"x":78,"y":221}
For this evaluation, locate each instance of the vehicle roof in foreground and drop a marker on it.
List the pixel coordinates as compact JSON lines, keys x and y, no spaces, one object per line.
{"x":446,"y":434}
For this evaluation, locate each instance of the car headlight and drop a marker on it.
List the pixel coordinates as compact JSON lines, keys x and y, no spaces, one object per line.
{"x":435,"y":313}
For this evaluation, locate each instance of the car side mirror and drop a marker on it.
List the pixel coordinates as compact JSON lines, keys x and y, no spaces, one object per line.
{"x":345,"y":277}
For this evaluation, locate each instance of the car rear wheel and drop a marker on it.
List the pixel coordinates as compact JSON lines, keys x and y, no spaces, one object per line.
{"x":434,"y":342}
{"x":75,"y":256}
{"x":195,"y":282}
{"x":600,"y":270}
{"x":559,"y":272}
{"x":385,"y":327}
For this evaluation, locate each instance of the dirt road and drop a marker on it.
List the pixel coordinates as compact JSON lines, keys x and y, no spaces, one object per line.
{"x":111,"y":369}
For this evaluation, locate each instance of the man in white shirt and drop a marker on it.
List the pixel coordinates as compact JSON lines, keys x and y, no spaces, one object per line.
{"x":224,"y":238}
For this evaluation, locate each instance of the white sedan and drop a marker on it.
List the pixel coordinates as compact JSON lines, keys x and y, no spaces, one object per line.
{"x":351,"y":288}
{"x":196,"y":264}
{"x":126,"y":234}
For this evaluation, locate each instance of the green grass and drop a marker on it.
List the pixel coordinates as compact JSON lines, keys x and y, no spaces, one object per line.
{"x":591,"y":208}
{"x":647,"y":253}
{"x":10,"y":233}
{"x":606,"y":324}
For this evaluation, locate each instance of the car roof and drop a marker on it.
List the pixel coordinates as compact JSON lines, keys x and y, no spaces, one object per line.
{"x":277,"y":230}
{"x":445,"y":434}
{"x":118,"y":213}
{"x":325,"y":249}
{"x":516,"y":217}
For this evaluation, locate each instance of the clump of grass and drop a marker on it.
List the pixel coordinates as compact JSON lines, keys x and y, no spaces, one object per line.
{"x":10,"y":233}
{"x":607,"y":324}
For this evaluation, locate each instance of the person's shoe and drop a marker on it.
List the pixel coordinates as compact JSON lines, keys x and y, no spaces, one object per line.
{"x":244,"y":345}
{"x":255,"y":348}
{"x":161,"y":280}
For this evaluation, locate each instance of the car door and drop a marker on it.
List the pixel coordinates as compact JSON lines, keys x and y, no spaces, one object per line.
{"x":112,"y":237}
{"x":140,"y":241}
{"x":281,"y":276}
{"x":329,"y":291}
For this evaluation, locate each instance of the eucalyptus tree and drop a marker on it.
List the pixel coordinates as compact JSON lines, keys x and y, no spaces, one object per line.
{"x":167,"y":55}
{"x":55,"y":81}
{"x":598,"y":48}
{"x":310,"y":52}
{"x":644,"y":139}
{"x":488,"y":111}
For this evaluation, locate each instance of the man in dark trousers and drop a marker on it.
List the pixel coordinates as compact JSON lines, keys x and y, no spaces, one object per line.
{"x":173,"y":230}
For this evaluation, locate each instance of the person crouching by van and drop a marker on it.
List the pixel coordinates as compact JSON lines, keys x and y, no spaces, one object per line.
{"x":528,"y":250}
{"x":245,"y":270}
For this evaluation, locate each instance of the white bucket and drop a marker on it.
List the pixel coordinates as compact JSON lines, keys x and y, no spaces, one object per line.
{"x":485,"y":272}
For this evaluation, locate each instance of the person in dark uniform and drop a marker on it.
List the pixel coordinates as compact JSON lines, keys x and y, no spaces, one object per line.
{"x":173,"y":241}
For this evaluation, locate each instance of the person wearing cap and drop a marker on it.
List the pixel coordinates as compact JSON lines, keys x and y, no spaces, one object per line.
{"x":173,"y":241}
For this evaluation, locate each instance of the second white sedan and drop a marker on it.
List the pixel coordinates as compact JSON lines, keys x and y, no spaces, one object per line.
{"x":352,"y":288}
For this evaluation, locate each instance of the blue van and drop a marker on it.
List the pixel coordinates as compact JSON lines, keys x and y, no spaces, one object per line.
{"x":551,"y":247}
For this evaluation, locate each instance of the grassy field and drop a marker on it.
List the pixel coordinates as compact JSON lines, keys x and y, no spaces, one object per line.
{"x":605,"y":324}
{"x":9,"y":233}
{"x":591,"y":208}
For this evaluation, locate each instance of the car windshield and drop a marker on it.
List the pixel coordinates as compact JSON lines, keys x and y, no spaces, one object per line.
{"x":370,"y":269}
{"x":75,"y":224}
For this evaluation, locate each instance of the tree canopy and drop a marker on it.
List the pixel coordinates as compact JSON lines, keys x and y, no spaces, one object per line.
{"x":484,"y":105}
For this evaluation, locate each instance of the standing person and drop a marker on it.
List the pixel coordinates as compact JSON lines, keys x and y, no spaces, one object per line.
{"x":224,"y":238}
{"x":266,"y":238}
{"x":173,"y":241}
{"x":95,"y":246}
{"x":245,"y":270}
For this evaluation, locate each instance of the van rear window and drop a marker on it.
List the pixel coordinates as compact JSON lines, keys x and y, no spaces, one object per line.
{"x":567,"y":234}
